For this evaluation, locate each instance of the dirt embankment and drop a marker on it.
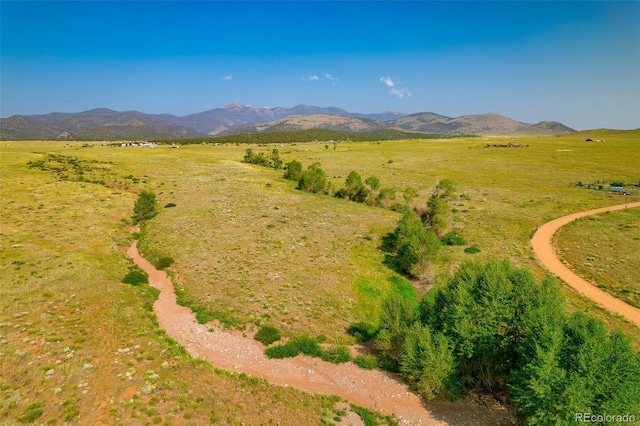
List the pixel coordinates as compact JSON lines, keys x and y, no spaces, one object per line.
{"x":542,"y":243}
{"x":374,"y":389}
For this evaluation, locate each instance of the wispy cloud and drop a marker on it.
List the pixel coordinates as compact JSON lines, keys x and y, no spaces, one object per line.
{"x":227,"y":78}
{"x":333,"y":79}
{"x":399,"y":92}
{"x":326,"y":76}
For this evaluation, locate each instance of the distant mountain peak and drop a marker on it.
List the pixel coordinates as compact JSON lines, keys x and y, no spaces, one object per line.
{"x":232,"y":105}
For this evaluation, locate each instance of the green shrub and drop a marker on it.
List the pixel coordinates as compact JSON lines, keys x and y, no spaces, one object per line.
{"x":371,"y":418}
{"x":145,"y":207}
{"x":282,"y":351}
{"x":268,"y":334}
{"x":163,"y":262}
{"x":366,"y":362}
{"x":453,"y":239}
{"x":168,"y":205}
{"x":362,"y":331}
{"x":308,"y":346}
{"x":32,"y":413}
{"x":337,"y":355}
{"x":293,"y":170}
{"x":294,"y":347}
{"x":314,"y":179}
{"x":71,"y":409}
{"x":472,"y":250}
{"x":136,"y":276}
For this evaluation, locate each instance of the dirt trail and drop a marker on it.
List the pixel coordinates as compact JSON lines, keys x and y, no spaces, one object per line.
{"x":542,"y":243}
{"x":376,"y":390}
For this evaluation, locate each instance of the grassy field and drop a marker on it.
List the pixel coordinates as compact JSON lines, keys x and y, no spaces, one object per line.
{"x":78,"y":344}
{"x":604,"y":249}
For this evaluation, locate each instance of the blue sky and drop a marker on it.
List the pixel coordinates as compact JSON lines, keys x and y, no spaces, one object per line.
{"x":574,"y":62}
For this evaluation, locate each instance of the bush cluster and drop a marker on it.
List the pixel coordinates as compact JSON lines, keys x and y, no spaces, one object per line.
{"x":260,"y":158}
{"x":494,"y":328}
{"x":367,"y":191}
{"x":310,"y":347}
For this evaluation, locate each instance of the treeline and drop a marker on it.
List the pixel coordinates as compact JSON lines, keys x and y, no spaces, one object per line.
{"x":421,"y":231}
{"x":494,"y":328}
{"x":310,"y":135}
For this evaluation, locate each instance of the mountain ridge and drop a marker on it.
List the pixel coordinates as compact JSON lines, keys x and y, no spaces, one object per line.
{"x":108,"y":124}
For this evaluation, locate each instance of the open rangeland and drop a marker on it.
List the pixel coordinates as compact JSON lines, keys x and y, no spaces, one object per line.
{"x":78,"y":345}
{"x":603,"y":249}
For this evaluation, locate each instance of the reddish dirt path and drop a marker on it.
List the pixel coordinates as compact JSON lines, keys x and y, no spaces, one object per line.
{"x":542,"y":243}
{"x":374,"y":389}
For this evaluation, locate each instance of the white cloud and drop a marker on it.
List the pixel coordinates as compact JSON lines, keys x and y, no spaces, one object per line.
{"x":333,"y":79}
{"x":227,"y":78}
{"x":326,"y":76}
{"x":387,"y":81}
{"x":395,"y":91}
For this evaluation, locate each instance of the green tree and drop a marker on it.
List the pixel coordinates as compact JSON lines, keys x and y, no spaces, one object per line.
{"x":427,"y":363}
{"x":353,"y":189}
{"x":413,"y":244}
{"x":416,"y":250}
{"x":276,"y":161}
{"x":145,"y":207}
{"x":396,"y":318}
{"x":253,"y":158}
{"x":249,"y":156}
{"x":538,"y":386}
{"x":294,"y":171}
{"x":314,"y":179}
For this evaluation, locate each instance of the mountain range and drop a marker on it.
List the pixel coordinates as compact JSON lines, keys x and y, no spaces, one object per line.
{"x":107,"y":124}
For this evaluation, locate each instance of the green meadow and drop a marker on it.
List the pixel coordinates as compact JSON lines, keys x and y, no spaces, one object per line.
{"x":78,"y":345}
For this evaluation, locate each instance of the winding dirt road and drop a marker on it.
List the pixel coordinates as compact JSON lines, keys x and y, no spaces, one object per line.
{"x":374,"y":389}
{"x":542,"y":243}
